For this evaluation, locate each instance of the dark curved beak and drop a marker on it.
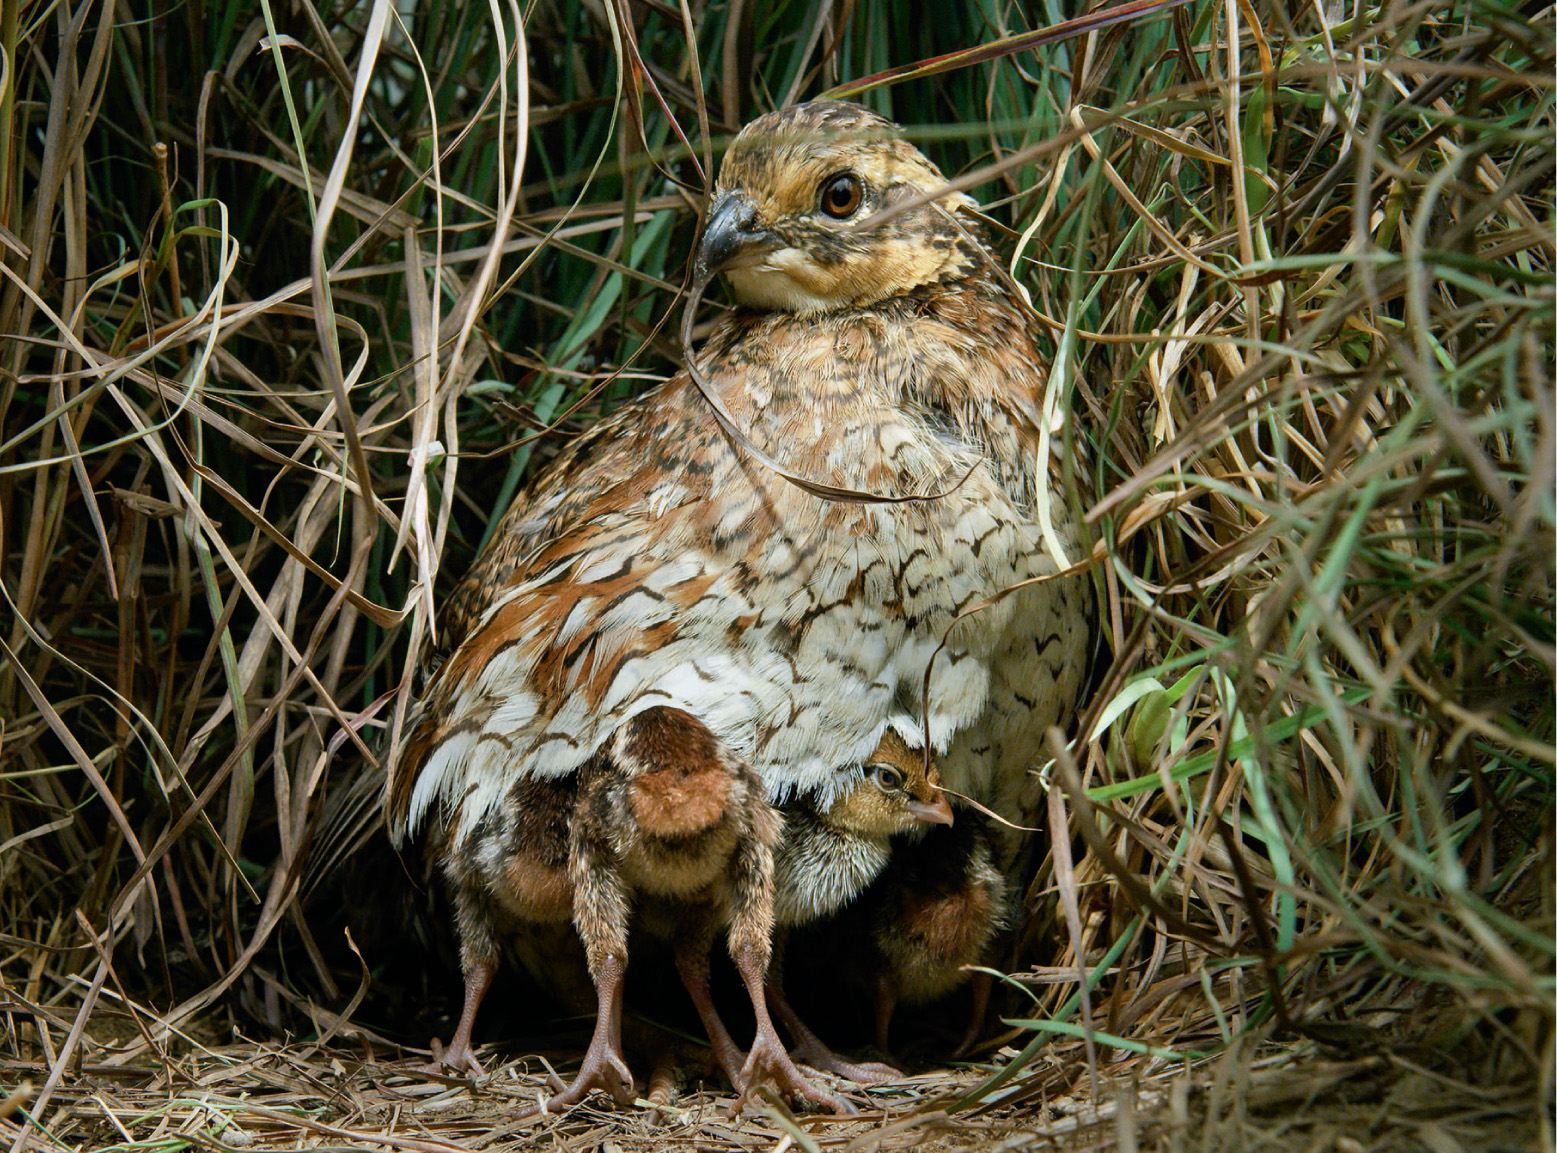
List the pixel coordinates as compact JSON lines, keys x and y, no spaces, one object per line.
{"x":730,"y":233}
{"x":937,"y":812}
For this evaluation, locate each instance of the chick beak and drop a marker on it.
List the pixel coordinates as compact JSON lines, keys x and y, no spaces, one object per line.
{"x":730,"y":234}
{"x":937,"y":812}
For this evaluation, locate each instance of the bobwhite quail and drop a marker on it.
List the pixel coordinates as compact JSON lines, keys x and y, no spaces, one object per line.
{"x":661,"y":828}
{"x":511,"y":873}
{"x":657,"y":563}
{"x":673,"y":829}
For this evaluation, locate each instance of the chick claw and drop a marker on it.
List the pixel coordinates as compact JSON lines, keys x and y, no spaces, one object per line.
{"x":861,"y":1073}
{"x":458,"y":1056}
{"x":602,"y":1068}
{"x":770,"y":1061}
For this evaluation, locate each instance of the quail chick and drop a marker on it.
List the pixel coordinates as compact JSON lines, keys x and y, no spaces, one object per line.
{"x":662,"y":818}
{"x":668,"y":820}
{"x":937,"y":906}
{"x":511,"y":873}
{"x":829,"y":856}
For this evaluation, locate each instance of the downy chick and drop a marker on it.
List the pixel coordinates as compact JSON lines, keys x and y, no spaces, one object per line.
{"x":828,"y":857}
{"x":510,"y":874}
{"x":672,"y":825}
{"x":936,"y":907}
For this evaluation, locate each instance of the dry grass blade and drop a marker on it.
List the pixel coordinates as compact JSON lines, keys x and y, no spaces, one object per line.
{"x":294,"y":300}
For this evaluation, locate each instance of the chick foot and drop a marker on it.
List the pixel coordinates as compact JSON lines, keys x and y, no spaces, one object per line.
{"x":813,"y":1051}
{"x":860,"y":1072}
{"x":459,"y":1055}
{"x":604,"y":1066}
{"x":664,"y":1085}
{"x":769,"y":1061}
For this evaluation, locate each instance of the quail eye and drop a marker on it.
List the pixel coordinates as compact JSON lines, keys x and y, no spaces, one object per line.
{"x":842,"y":195}
{"x":888,"y":779}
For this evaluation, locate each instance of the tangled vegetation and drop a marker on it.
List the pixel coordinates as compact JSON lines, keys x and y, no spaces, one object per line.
{"x":295,"y":298}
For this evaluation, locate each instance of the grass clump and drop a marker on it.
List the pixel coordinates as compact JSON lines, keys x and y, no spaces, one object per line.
{"x":290,"y":296}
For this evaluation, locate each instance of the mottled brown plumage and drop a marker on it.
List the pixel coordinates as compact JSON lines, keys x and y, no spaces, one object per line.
{"x":657,"y":564}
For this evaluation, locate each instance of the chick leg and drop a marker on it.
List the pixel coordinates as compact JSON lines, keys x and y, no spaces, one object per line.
{"x":478,"y":963}
{"x":982,"y":983}
{"x":478,"y":979}
{"x":886,"y":1005}
{"x":600,"y":913}
{"x":692,"y":964}
{"x":603,"y":1066}
{"x":751,"y":937}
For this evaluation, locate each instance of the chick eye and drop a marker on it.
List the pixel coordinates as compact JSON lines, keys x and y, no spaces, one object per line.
{"x":887,"y":778}
{"x":841,"y":195}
